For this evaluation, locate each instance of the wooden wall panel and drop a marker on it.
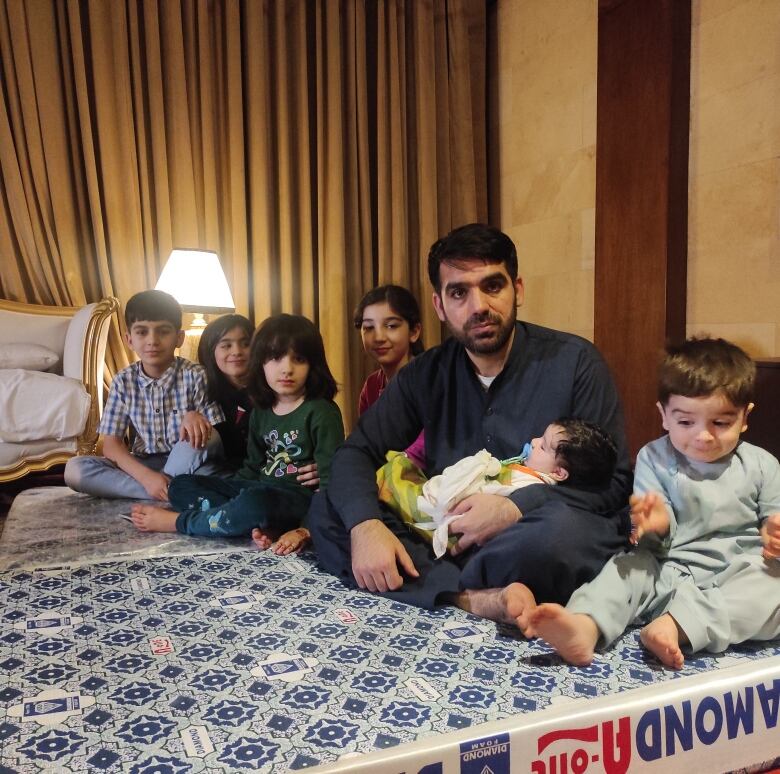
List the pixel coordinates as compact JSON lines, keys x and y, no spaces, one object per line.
{"x":643,"y":88}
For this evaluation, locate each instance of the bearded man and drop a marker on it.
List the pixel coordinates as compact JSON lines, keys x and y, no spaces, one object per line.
{"x":495,"y":384}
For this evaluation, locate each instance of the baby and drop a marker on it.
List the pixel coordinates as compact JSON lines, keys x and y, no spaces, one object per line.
{"x":570,"y":451}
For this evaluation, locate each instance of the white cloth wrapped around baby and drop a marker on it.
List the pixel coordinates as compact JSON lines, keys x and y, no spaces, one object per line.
{"x":474,"y":474}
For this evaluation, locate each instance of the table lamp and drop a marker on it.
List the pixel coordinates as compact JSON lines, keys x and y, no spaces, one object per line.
{"x":196,"y":280}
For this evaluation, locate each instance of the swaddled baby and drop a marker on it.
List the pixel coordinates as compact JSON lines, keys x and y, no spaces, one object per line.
{"x":571,"y":451}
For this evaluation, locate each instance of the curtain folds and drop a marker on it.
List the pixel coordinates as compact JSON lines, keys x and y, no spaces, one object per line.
{"x":318,"y":147}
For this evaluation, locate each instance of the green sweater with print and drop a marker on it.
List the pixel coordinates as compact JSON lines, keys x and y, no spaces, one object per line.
{"x":279,"y":445}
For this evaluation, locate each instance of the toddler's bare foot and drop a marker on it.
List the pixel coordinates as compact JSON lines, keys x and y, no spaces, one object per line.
{"x":152,"y":518}
{"x":263,"y":538}
{"x":573,"y":635}
{"x":292,"y":542}
{"x":662,"y":638}
{"x":508,"y":605}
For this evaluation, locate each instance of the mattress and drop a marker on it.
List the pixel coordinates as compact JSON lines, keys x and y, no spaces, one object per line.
{"x":235,"y":659}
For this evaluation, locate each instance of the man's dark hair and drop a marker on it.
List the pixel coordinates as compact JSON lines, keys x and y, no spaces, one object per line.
{"x":153,"y":305}
{"x":401,"y":301}
{"x":218,"y":387}
{"x":275,"y":338}
{"x":475,"y":240}
{"x":587,"y":452}
{"x":702,"y":366}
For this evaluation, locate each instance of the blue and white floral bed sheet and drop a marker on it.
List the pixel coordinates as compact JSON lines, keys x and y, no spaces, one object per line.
{"x":245,"y":661}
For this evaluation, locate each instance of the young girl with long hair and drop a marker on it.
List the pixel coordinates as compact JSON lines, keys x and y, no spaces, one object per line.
{"x":294,"y":422}
{"x":388,"y":318}
{"x":224,"y":352}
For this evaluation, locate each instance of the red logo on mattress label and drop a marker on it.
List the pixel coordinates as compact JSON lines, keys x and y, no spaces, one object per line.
{"x":345,"y":616}
{"x":613,"y":752}
{"x":161,"y":646}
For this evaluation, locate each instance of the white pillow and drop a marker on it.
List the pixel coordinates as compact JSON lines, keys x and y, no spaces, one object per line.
{"x":35,"y":406}
{"x":33,"y":357}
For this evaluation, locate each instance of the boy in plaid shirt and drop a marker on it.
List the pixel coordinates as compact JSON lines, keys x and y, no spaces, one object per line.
{"x":164,"y":398}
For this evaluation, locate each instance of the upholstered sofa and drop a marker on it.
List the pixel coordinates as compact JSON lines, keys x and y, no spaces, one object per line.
{"x":51,"y":383}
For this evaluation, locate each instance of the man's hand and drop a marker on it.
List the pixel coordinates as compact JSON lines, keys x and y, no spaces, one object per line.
{"x":376,"y":554}
{"x":196,"y":429}
{"x":309,"y":476}
{"x":484,"y":516}
{"x":648,"y":514}
{"x":770,"y":537}
{"x":155,"y":484}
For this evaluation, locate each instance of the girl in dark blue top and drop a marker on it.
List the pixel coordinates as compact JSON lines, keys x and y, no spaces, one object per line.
{"x":224,"y":353}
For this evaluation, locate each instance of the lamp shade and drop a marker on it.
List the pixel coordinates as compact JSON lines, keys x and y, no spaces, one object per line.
{"x":196,"y":280}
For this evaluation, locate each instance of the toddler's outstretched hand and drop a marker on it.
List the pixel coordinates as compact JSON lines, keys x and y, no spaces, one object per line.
{"x":770,"y":537}
{"x":648,"y":514}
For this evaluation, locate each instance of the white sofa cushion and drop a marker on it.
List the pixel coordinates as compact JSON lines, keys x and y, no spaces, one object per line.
{"x":36,"y":406}
{"x":12,"y":453}
{"x":33,"y":357}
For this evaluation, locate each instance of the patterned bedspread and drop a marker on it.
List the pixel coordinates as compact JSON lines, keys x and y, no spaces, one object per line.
{"x":244,"y":661}
{"x":188,"y":655}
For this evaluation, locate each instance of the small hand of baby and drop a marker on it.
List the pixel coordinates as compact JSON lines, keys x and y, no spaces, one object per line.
{"x":648,"y":514}
{"x":770,"y":537}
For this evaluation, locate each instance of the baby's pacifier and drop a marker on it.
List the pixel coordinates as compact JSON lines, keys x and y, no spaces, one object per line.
{"x":526,"y":453}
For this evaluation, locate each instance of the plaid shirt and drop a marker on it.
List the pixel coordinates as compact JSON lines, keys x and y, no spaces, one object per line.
{"x":155,"y":407}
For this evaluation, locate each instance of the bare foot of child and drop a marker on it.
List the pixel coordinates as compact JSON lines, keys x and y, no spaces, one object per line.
{"x":262,"y":538}
{"x":291,"y":542}
{"x":573,"y":635}
{"x":509,"y":605}
{"x":662,"y":638}
{"x":152,"y":518}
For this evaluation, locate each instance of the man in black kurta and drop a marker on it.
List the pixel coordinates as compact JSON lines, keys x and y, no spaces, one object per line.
{"x":495,"y":384}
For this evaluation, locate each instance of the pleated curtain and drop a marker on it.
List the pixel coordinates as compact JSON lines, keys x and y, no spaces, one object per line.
{"x":318,"y":147}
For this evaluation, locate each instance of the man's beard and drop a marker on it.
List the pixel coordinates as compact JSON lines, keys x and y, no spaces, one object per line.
{"x":485,"y":345}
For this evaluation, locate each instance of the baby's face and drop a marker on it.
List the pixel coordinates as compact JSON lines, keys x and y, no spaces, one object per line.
{"x":704,"y":429}
{"x":543,"y":450}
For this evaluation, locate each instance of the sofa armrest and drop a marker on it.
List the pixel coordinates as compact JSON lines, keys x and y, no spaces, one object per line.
{"x":84,"y":359}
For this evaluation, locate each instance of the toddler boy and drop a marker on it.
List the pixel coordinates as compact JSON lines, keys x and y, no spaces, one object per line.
{"x":706,"y":518}
{"x":164,"y":398}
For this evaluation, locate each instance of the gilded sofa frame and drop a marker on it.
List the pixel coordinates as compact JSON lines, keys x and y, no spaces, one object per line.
{"x":93,"y":355}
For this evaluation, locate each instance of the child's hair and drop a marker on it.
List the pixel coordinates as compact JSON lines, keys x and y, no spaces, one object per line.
{"x":275,"y":338}
{"x":702,"y":366}
{"x":587,"y":452}
{"x":474,"y":240}
{"x":218,"y":385}
{"x":153,"y":305}
{"x":401,"y":301}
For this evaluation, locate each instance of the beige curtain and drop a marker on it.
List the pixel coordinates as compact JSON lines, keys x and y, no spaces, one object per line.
{"x":318,"y":147}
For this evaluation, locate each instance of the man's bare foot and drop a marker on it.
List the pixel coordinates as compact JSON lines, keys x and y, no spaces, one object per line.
{"x":662,"y":638}
{"x":573,"y":635}
{"x":520,"y":603}
{"x":152,"y":518}
{"x":509,"y":605}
